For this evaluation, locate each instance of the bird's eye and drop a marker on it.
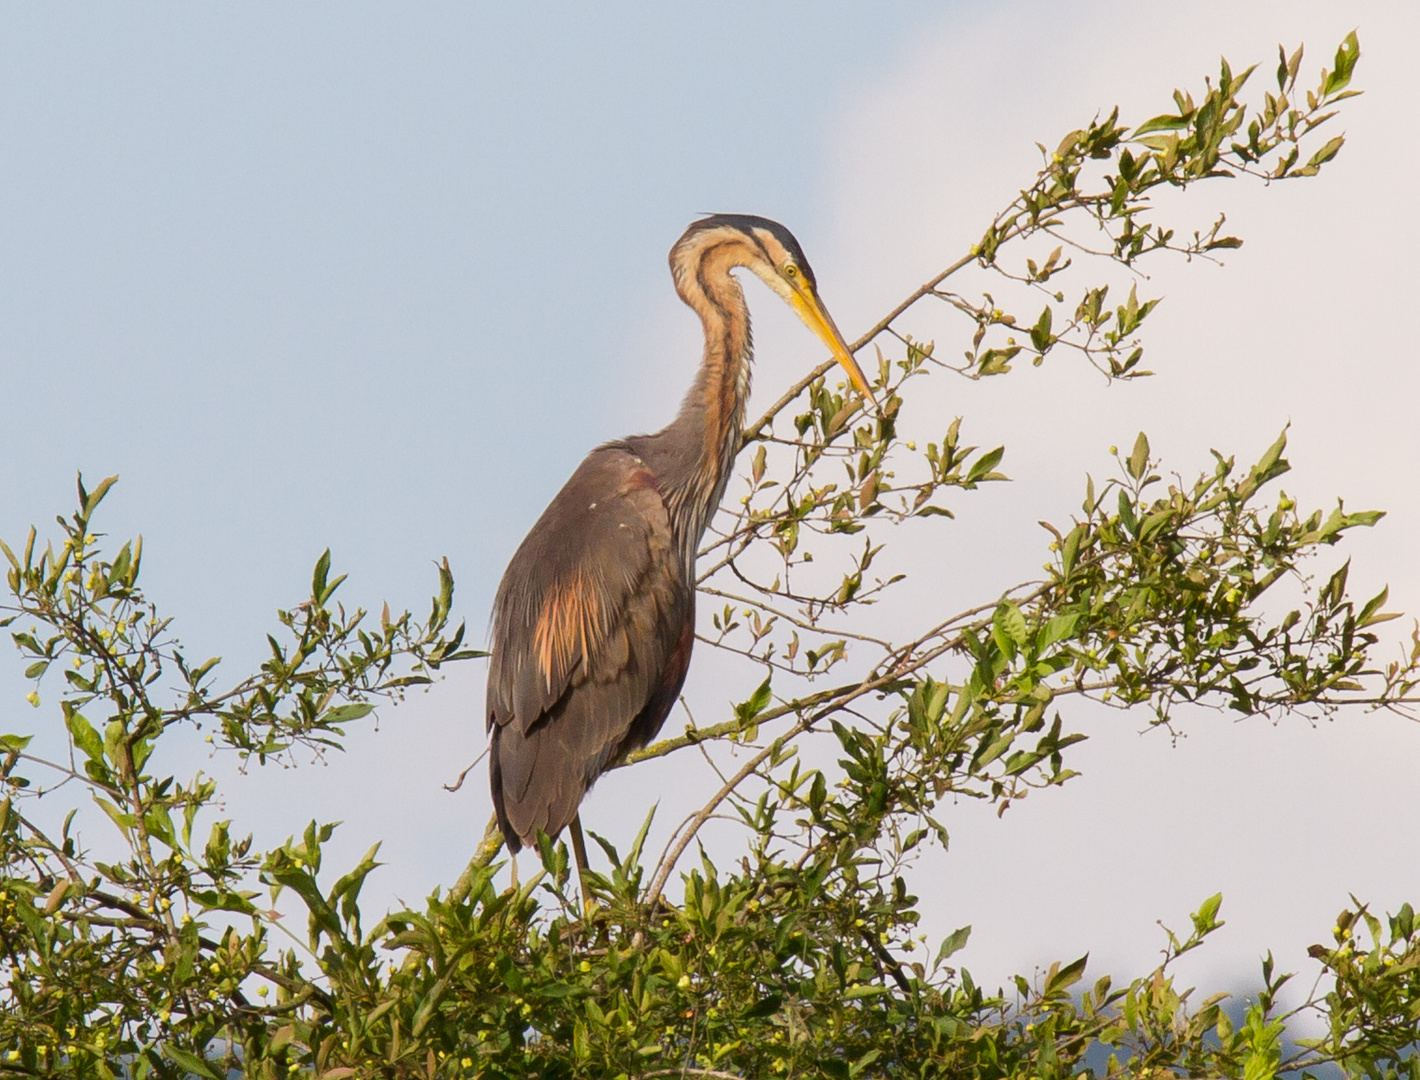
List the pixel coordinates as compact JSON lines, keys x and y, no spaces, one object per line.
{"x":790,"y":270}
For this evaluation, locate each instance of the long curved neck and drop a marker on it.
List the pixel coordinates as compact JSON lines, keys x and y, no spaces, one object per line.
{"x":701,"y":442}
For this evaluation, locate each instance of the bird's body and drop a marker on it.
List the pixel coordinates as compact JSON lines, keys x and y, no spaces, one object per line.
{"x":595,"y":617}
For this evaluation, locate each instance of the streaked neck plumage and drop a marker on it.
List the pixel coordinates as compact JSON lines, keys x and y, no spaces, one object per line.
{"x":703,"y":439}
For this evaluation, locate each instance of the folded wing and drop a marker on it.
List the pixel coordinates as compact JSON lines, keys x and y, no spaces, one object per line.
{"x":592,"y":630}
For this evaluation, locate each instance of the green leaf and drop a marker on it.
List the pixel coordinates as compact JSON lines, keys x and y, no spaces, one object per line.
{"x":222,"y":900}
{"x":344,"y":713}
{"x":92,"y":499}
{"x":318,"y":578}
{"x":1369,"y":616}
{"x":1205,"y":918}
{"x":85,"y":737}
{"x":1071,"y":550}
{"x":1161,"y":123}
{"x":757,"y":703}
{"x":765,"y":1006}
{"x":1326,"y":153}
{"x":633,"y":857}
{"x":346,"y":891}
{"x":160,"y":825}
{"x":1040,"y":333}
{"x":854,"y":993}
{"x":818,"y":792}
{"x":1057,"y":629}
{"x":953,"y":943}
{"x":1126,"y":513}
{"x":1365,"y":518}
{"x":1138,"y":461}
{"x":119,"y":818}
{"x":1347,"y":53}
{"x":982,"y":468}
{"x":1271,"y":464}
{"x":187,"y":1060}
{"x":1059,"y":978}
{"x":1287,"y":69}
{"x":1011,"y":622}
{"x":993,"y":750}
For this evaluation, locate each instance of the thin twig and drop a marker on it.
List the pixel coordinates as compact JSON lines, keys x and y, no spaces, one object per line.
{"x":704,"y":814}
{"x":459,"y":782}
{"x":798,"y":388}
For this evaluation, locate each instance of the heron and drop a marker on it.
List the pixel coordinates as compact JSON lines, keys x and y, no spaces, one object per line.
{"x":594,"y":619}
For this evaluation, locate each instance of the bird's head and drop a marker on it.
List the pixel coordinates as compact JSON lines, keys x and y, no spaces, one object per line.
{"x":771,"y":253}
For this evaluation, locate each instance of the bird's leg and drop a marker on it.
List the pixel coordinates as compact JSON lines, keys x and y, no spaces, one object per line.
{"x":513,"y":871}
{"x":579,"y":851}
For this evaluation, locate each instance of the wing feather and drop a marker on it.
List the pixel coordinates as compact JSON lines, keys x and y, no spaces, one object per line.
{"x":589,"y":618}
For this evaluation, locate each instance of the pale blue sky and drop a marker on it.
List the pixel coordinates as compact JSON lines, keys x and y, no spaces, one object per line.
{"x":376,"y":277}
{"x":361,"y":274}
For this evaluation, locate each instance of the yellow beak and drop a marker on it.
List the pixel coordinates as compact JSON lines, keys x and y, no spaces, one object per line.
{"x":811,"y":310}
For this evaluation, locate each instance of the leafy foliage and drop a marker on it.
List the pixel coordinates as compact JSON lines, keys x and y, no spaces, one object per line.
{"x":805,"y":957}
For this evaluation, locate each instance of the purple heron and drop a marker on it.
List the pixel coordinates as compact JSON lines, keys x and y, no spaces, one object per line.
{"x":594,"y":620}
